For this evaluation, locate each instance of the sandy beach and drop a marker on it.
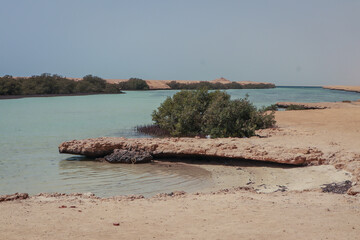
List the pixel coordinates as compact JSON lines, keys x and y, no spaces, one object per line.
{"x":343,"y":88}
{"x":278,"y":203}
{"x":224,"y":215}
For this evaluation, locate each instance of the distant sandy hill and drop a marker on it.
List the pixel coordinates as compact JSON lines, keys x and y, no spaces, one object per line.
{"x":221,"y":80}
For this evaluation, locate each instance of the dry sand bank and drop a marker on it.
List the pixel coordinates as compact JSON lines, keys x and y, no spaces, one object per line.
{"x":234,"y":214}
{"x":344,"y":88}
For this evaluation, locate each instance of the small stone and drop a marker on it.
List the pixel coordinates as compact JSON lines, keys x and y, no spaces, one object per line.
{"x":116,"y":224}
{"x":88,"y":194}
{"x":354,"y":190}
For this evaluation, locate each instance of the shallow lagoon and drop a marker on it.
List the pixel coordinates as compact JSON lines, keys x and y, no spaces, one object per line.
{"x":32,"y":128}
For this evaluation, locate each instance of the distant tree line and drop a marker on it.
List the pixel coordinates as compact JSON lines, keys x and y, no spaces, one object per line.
{"x":55,"y":84}
{"x":213,"y":86}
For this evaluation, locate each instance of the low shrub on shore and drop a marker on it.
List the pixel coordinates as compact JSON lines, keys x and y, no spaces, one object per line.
{"x":295,"y":107}
{"x":134,"y":84}
{"x":54,"y":84}
{"x":153,"y":130}
{"x":272,"y":107}
{"x":213,"y":86}
{"x":200,"y":112}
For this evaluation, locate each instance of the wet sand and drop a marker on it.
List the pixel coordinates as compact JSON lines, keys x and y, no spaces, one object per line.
{"x":265,"y":177}
{"x":302,"y":211}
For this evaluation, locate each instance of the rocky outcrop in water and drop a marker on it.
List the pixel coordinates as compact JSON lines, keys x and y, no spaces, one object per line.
{"x":237,"y":148}
{"x":129,"y":156}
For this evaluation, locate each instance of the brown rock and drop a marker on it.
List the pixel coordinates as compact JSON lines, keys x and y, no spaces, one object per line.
{"x":354,"y":190}
{"x":236,"y":148}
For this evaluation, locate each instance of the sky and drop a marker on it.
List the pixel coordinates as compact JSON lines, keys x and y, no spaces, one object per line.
{"x":286,"y":42}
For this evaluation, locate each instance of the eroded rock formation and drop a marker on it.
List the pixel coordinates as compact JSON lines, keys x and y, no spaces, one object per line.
{"x":238,"y":148}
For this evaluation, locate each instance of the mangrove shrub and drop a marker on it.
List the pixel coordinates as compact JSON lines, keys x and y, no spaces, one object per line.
{"x":200,"y":112}
{"x":134,"y":84}
{"x":54,"y":84}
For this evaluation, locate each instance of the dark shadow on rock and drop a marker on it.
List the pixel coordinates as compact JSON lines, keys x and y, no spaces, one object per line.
{"x":238,"y":162}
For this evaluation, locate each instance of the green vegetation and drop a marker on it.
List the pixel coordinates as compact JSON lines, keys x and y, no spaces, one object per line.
{"x":200,"y":113}
{"x":134,"y":84}
{"x":213,"y":86}
{"x":272,"y":107}
{"x":153,"y":130}
{"x":54,"y":84}
{"x":295,"y":107}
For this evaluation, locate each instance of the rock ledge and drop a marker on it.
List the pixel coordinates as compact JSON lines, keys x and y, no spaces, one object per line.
{"x":236,"y":148}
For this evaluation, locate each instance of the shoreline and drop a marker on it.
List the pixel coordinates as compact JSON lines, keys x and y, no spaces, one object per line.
{"x":343,"y":88}
{"x":5,"y":97}
{"x":255,"y":200}
{"x":329,"y":144}
{"x":339,"y":88}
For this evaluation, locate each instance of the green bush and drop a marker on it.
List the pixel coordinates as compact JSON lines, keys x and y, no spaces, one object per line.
{"x":204,"y":84}
{"x":9,"y":86}
{"x":272,"y":107}
{"x":134,"y":84}
{"x":295,"y":107}
{"x":200,"y":112}
{"x":218,"y":85}
{"x":54,"y":84}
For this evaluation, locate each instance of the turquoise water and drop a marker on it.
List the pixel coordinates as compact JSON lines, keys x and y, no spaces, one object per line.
{"x":32,"y":128}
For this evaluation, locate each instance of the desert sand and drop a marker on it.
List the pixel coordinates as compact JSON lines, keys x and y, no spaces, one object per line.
{"x":242,"y":210}
{"x":234,"y":214}
{"x":344,"y":88}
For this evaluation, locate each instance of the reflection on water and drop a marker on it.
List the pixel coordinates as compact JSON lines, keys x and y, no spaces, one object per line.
{"x":104,"y":179}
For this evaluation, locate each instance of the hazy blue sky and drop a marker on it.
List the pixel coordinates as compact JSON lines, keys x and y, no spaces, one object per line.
{"x":287,"y":42}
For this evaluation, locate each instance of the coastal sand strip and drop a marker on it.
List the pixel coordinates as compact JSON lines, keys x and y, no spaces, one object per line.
{"x":223,"y":215}
{"x":344,"y":88}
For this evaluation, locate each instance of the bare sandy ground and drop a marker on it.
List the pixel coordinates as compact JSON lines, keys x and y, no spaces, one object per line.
{"x":223,"y":215}
{"x":336,"y":131}
{"x":259,"y":213}
{"x":344,"y":88}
